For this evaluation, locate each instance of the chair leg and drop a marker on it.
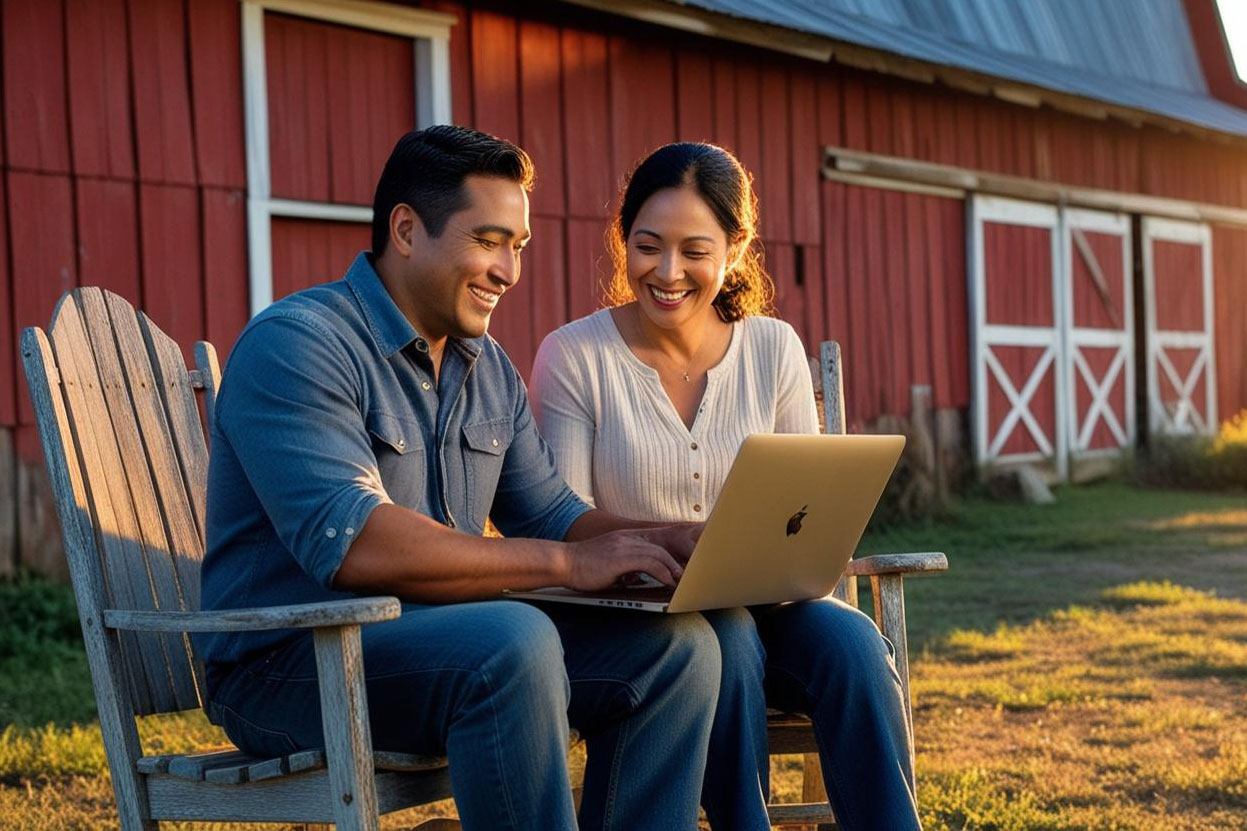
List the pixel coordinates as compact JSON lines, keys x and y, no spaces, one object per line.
{"x":812,"y":787}
{"x":348,"y":740}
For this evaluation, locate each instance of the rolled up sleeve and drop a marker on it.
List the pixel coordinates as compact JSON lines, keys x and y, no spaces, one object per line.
{"x":293,"y":418}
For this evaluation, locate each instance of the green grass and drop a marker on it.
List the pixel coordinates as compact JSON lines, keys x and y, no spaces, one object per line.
{"x":43,"y":666}
{"x":1014,"y":563}
{"x":1081,"y":666}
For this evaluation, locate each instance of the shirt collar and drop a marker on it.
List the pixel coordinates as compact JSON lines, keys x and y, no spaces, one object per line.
{"x":389,"y":327}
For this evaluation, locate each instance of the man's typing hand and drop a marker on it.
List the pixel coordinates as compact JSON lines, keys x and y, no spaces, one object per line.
{"x":679,"y":539}
{"x":600,"y":562}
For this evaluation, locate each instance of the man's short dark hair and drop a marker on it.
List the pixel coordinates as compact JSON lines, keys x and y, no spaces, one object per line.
{"x":426,"y":171}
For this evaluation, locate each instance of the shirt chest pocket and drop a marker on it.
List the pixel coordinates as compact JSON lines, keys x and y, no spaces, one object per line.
{"x":398,"y":445}
{"x":485,"y":446}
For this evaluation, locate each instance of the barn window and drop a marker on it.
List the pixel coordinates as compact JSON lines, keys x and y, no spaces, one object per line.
{"x":329,"y":86}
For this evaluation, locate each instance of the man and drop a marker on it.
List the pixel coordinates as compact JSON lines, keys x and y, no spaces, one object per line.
{"x":364,"y":431}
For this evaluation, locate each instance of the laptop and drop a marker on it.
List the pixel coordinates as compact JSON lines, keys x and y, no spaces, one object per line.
{"x":789,"y":517}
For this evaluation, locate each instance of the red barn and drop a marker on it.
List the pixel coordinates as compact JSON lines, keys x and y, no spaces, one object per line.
{"x":1038,"y":211}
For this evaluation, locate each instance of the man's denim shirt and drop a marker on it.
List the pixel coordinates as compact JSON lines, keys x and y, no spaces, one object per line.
{"x":327,"y":409}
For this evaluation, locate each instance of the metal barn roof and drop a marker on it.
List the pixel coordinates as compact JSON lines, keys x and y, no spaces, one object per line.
{"x":1133,"y":53}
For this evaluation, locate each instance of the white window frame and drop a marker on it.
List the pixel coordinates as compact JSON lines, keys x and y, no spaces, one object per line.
{"x":431,"y":33}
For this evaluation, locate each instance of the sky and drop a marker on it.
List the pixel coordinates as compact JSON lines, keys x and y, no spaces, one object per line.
{"x":1234,"y":18}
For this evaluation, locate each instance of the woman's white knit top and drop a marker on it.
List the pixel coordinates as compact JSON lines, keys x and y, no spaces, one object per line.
{"x":617,"y":438}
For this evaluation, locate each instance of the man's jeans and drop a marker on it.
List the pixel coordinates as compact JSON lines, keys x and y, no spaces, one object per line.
{"x":828,"y":660}
{"x":494,"y":685}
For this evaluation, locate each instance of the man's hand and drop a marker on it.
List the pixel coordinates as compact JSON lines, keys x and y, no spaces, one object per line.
{"x":679,"y":539}
{"x":599,"y":562}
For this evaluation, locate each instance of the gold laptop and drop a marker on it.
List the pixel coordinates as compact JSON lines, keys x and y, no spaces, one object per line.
{"x":787,"y":522}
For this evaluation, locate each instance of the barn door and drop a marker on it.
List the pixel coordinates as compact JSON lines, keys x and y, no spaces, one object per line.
{"x":1099,"y":340}
{"x":1177,"y":279}
{"x":1019,"y":409}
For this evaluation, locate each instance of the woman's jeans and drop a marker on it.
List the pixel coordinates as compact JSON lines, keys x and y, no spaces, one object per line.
{"x":828,"y":660}
{"x":493,"y":686}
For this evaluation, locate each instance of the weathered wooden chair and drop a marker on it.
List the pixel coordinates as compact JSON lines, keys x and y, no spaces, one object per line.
{"x":790,"y":733}
{"x":125,"y":449}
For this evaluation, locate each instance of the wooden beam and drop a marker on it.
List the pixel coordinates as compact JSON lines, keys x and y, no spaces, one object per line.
{"x":839,"y":161}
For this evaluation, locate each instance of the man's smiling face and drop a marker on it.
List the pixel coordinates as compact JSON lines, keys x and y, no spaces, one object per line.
{"x":457,"y":278}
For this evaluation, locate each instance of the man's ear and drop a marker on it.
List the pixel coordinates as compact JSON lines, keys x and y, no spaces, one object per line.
{"x":406,"y":229}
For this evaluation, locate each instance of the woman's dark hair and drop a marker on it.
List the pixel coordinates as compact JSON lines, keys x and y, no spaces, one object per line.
{"x":727,"y":188}
{"x":426,"y":171}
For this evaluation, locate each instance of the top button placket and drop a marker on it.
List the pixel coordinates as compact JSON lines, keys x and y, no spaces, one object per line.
{"x":697,"y":463}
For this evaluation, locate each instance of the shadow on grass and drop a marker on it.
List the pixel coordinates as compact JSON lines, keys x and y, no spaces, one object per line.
{"x":1015,"y":563}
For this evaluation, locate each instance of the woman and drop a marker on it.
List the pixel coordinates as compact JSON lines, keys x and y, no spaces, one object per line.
{"x":644,"y":406}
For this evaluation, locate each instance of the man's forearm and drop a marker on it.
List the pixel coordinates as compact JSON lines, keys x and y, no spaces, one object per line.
{"x":405,"y":553}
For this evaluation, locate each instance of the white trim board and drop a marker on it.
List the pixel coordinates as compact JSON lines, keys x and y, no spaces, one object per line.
{"x":431,"y":67}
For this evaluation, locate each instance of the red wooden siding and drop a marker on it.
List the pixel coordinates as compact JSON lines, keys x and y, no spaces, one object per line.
{"x":898,"y":314}
{"x":307,"y":252}
{"x":642,"y":96}
{"x":541,"y":120}
{"x":41,"y":235}
{"x":99,"y":88}
{"x":1179,"y":269}
{"x":1229,"y":271}
{"x":216,"y":78}
{"x":338,"y":98}
{"x":1090,"y":311}
{"x":135,"y":106}
{"x":162,"y":107}
{"x":225,"y":256}
{"x":108,"y":236}
{"x":172,"y":262}
{"x":1019,"y":275}
{"x":586,"y":125}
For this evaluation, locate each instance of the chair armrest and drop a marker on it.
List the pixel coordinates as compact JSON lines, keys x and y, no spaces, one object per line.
{"x":897,"y":564}
{"x":302,"y":616}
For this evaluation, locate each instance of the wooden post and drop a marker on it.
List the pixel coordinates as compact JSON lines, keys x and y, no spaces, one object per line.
{"x":348,"y":742}
{"x":888,"y":593}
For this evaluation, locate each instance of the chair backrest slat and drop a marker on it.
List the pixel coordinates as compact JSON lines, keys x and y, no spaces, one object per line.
{"x":832,"y":382}
{"x":116,"y":541}
{"x":833,"y":388}
{"x":151,"y":544}
{"x":171,"y":530}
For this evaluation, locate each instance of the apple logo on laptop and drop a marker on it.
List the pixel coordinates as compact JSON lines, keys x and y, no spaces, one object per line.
{"x":794,"y":522}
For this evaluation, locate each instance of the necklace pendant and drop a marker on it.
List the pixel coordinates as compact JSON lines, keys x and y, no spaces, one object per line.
{"x":686,"y":377}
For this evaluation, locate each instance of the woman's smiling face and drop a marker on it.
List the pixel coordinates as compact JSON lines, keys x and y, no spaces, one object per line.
{"x":677,"y":255}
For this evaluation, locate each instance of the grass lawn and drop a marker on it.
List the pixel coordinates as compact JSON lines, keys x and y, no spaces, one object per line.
{"x":1082,"y":666}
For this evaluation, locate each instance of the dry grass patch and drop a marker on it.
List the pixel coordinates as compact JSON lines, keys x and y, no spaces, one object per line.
{"x":1129,"y":716}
